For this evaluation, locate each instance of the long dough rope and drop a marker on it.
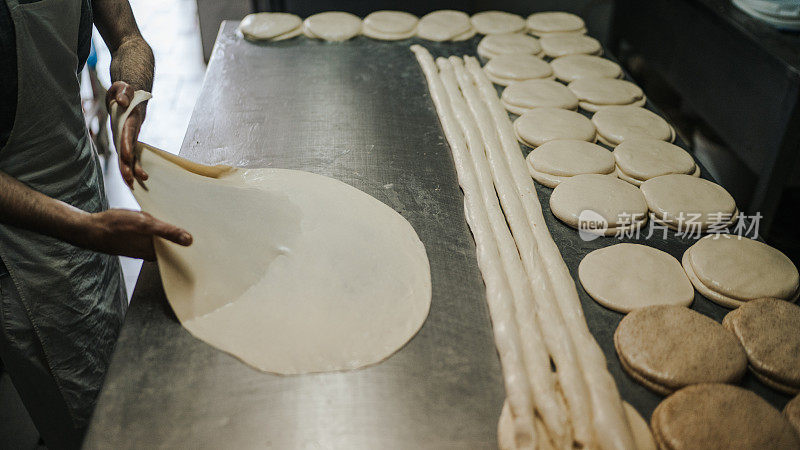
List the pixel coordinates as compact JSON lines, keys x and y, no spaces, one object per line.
{"x":498,"y":293}
{"x":557,"y":337}
{"x":610,"y":423}
{"x":534,"y":352}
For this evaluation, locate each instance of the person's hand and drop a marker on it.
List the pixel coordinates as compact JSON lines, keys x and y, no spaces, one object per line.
{"x":130,"y":233}
{"x":129,"y":166}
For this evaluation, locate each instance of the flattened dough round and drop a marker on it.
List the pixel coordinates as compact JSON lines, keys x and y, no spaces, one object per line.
{"x":769,"y":330}
{"x":594,"y":93}
{"x":555,"y":22}
{"x":626,"y":276}
{"x":553,"y":162}
{"x":268,"y":25}
{"x":643,"y":159}
{"x":506,"y":69}
{"x":522,"y":96}
{"x":497,"y":22}
{"x":509,"y":43}
{"x":291,"y":272}
{"x":685,"y":202}
{"x":616,"y":201}
{"x":738,"y":269}
{"x":573,"y":67}
{"x":720,"y":416}
{"x":541,"y":125}
{"x":618,"y":123}
{"x":667,"y":347}
{"x":333,"y":26}
{"x":443,"y":25}
{"x":390,"y":25}
{"x":792,"y":412}
{"x":561,"y":44}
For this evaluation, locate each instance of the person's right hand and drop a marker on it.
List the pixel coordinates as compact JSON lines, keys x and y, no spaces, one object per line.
{"x":130,"y":233}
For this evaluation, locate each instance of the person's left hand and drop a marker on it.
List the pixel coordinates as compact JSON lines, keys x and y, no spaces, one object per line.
{"x":129,"y":166}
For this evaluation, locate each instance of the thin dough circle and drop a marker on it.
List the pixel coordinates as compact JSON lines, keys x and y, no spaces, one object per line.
{"x":598,"y":92}
{"x":509,"y":43}
{"x":685,"y":201}
{"x":541,"y":125}
{"x":643,"y":159}
{"x":390,"y":23}
{"x":291,"y":272}
{"x":792,"y":412}
{"x":740,"y":269}
{"x":616,"y":201}
{"x":522,"y":96}
{"x":573,"y":67}
{"x":443,"y":25}
{"x":506,"y":69}
{"x":554,"y":22}
{"x":555,"y":161}
{"x":333,"y":26}
{"x":562,"y":44}
{"x":626,"y":276}
{"x":497,"y":22}
{"x":618,"y":123}
{"x":268,"y":25}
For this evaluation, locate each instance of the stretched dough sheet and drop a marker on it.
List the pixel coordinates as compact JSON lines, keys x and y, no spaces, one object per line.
{"x":291,"y":272}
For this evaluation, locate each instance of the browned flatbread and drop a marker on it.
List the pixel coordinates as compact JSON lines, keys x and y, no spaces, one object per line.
{"x":720,"y":416}
{"x":667,"y":347}
{"x":769,"y":330}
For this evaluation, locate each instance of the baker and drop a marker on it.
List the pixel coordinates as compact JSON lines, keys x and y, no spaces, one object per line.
{"x":62,"y":296}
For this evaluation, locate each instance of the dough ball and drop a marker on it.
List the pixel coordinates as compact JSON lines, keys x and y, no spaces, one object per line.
{"x":511,"y":43}
{"x":687,"y":203}
{"x":555,"y":161}
{"x":667,"y":347}
{"x":720,"y":416}
{"x":769,"y":330}
{"x":572,"y":67}
{"x":443,"y":25}
{"x":390,"y":25}
{"x":332,"y":26}
{"x":541,"y":125}
{"x":544,"y":23}
{"x":497,"y":22}
{"x":732,"y":270}
{"x":618,"y":203}
{"x":561,"y":44}
{"x":792,"y":412}
{"x":268,"y":25}
{"x":522,"y":96}
{"x":618,"y":123}
{"x":639,"y":160}
{"x":595,"y":93}
{"x":506,"y":69}
{"x":625,"y":276}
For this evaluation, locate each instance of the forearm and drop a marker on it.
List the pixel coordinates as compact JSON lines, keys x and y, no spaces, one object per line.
{"x":23,"y":207}
{"x":131,"y":58}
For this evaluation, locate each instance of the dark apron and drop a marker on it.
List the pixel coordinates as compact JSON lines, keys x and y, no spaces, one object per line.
{"x":72,"y":299}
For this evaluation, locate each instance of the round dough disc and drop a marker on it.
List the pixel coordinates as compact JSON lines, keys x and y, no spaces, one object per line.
{"x":554,"y":22}
{"x":616,"y":201}
{"x":561,"y":44}
{"x":768,"y":330}
{"x":510,"y":43}
{"x":569,"y":157}
{"x":505,"y":69}
{"x":290,"y":271}
{"x":333,"y":25}
{"x":573,"y":67}
{"x":541,"y":125}
{"x":792,"y":412}
{"x":443,"y":25}
{"x":644,"y":159}
{"x":625,"y":276}
{"x":521,"y":96}
{"x":497,"y":22}
{"x":687,"y":202}
{"x":390,"y":25}
{"x":618,"y":123}
{"x":606,"y":91}
{"x":720,"y":416}
{"x":667,"y":347}
{"x":742,"y":269}
{"x":268,"y":25}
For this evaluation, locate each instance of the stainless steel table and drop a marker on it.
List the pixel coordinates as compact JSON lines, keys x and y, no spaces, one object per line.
{"x":358,"y":111}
